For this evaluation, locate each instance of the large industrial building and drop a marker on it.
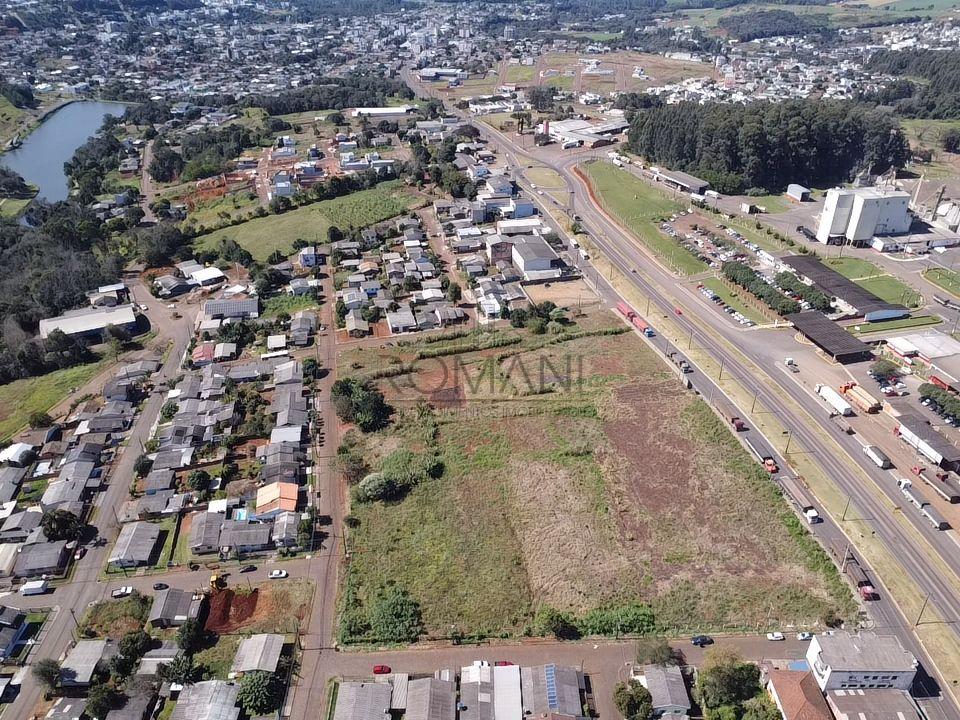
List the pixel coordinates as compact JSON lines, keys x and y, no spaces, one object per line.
{"x":857,"y":215}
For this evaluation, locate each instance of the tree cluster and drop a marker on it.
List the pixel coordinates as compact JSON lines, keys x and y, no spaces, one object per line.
{"x":360,"y":403}
{"x":948,"y":402}
{"x":726,"y":681}
{"x":937,"y":96}
{"x":748,"y":278}
{"x":401,"y":471}
{"x":12,"y":185}
{"x":20,"y":96}
{"x":332,"y":93}
{"x":791,"y":283}
{"x":207,"y":153}
{"x":756,"y":24}
{"x":166,"y":165}
{"x":769,"y":145}
{"x":91,"y":162}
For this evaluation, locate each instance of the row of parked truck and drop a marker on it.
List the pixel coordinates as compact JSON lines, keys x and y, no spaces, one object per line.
{"x":850,"y":395}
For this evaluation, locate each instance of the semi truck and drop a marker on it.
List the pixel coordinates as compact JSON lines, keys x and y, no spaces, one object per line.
{"x":732,"y":416}
{"x":906,"y":488}
{"x":850,"y":565}
{"x":834,"y":400}
{"x":877,"y":455}
{"x":929,"y":513}
{"x":861,"y":399}
{"x":799,"y":496}
{"x":943,"y":483}
{"x":843,"y":424}
{"x":638,"y":322}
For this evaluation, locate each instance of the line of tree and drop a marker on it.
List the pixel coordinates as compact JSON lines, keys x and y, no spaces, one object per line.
{"x":748,"y":278}
{"x":791,"y":283}
{"x":756,"y":24}
{"x":332,"y":94}
{"x":768,"y":145}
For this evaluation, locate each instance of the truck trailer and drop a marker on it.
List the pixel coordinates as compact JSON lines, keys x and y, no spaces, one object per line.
{"x":638,"y":322}
{"x":943,"y":483}
{"x":861,"y":399}
{"x":879,"y":458}
{"x":834,"y":400}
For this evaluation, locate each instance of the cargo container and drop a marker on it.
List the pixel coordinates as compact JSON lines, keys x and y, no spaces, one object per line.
{"x":934,"y":517}
{"x":797,"y":494}
{"x":834,"y":399}
{"x":861,"y":399}
{"x":878,"y":456}
{"x":855,"y":571}
{"x":34,"y":587}
{"x":638,"y":322}
{"x":944,"y":483}
{"x":843,"y":424}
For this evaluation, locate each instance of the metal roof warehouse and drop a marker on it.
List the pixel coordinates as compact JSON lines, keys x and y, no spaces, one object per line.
{"x":836,"y":285}
{"x":829,"y":337}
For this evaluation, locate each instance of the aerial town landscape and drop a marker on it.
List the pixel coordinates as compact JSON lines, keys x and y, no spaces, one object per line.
{"x":449,"y":360}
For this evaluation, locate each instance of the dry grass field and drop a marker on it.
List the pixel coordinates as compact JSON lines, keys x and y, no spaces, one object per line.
{"x":576,"y":475}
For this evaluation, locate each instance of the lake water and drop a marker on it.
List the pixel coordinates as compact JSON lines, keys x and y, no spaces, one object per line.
{"x":41,"y":157}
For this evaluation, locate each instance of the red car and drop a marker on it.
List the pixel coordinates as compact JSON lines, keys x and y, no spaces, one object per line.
{"x":503,"y":663}
{"x":381,"y":670}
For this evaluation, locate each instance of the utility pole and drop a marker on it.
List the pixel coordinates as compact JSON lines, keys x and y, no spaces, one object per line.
{"x":843,"y":517}
{"x":926,"y":599}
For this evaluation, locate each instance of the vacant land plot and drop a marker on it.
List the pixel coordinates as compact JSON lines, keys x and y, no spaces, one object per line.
{"x":544,"y":177}
{"x":38,"y":394}
{"x":276,"y":606}
{"x":868,"y":276}
{"x":947,"y":279}
{"x":520,"y":73}
{"x":576,"y":475}
{"x":115,"y":618}
{"x":262,"y":236}
{"x":641,"y":207}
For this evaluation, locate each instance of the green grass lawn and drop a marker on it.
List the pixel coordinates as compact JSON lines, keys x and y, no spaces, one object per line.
{"x":900,"y":324}
{"x":946,"y":279}
{"x":261,"y":236}
{"x":287,"y":303}
{"x":217,"y":659}
{"x":870,"y":277}
{"x":38,"y":394}
{"x":521,"y":73}
{"x":639,"y":206}
{"x":211,"y":212}
{"x":168,"y":528}
{"x":10,"y":118}
{"x":733,"y":300}
{"x":773,"y":203}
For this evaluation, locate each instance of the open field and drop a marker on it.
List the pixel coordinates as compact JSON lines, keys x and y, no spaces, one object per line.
{"x":657,"y":70}
{"x":520,"y":73}
{"x":868,"y":276}
{"x":544,"y":178}
{"x":210,"y":212}
{"x":733,"y":300}
{"x":901,"y":324}
{"x":261,"y":236}
{"x":287,"y":303}
{"x":946,"y":279}
{"x":634,"y":493}
{"x":772,"y":203}
{"x":640,"y":206}
{"x":38,"y":394}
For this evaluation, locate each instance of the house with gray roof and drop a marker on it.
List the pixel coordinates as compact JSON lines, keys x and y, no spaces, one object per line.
{"x":172,"y":607}
{"x":152,"y":659}
{"x":232,"y":309}
{"x":431,"y":699}
{"x":67,"y":708}
{"x":208,"y":700}
{"x":18,"y":526}
{"x":136,"y":706}
{"x":205,"y":532}
{"x":245,"y":537}
{"x":81,"y":662}
{"x":41,"y":558}
{"x":363,"y":701}
{"x":135,"y":545}
{"x":668,"y":690}
{"x":551,"y":689}
{"x":257,"y":652}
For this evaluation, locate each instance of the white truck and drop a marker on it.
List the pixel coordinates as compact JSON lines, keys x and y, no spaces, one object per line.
{"x":34,"y":587}
{"x":878,"y":456}
{"x":834,"y":399}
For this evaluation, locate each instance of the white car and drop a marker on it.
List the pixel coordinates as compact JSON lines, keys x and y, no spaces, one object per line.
{"x":121,"y":592}
{"x":278,"y":574}
{"x":804,"y":636}
{"x":775,"y":636}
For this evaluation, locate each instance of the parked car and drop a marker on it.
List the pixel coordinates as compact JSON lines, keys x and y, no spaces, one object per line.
{"x":701,"y":640}
{"x":776,"y":636}
{"x":160,"y":586}
{"x":804,"y":636}
{"x":81,"y":551}
{"x":381,"y":670}
{"x":121,"y":592}
{"x":248,"y":568}
{"x":503,"y":663}
{"x":278,"y":574}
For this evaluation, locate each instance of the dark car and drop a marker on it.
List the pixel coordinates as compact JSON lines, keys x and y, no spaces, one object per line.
{"x":160,"y":586}
{"x":248,"y":568}
{"x":701,"y":640}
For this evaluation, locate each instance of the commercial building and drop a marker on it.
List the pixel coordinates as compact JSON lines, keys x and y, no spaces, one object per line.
{"x":872,"y":705}
{"x":431,"y":699}
{"x":917,"y":432}
{"x":842,"y":661}
{"x":680,"y":181}
{"x":830,"y":337}
{"x":90,"y":322}
{"x":859,"y":214}
{"x":831,"y":283}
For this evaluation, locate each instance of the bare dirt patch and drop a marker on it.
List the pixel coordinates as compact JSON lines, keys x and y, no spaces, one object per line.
{"x":229,"y":611}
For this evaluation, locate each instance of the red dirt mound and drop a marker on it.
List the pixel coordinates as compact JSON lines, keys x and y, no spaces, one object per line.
{"x":229,"y":611}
